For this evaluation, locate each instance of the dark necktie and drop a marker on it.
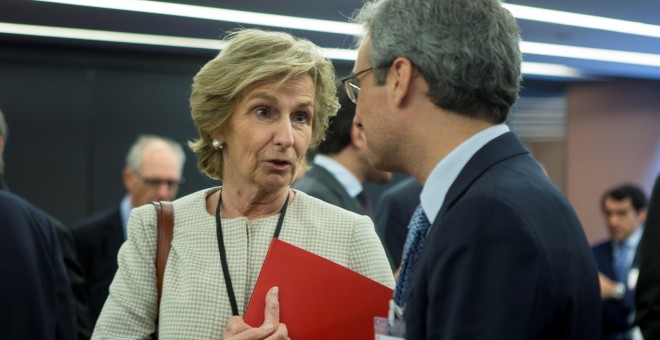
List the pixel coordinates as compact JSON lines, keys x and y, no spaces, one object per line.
{"x":621,"y":262}
{"x":365,"y":203}
{"x":417,"y":230}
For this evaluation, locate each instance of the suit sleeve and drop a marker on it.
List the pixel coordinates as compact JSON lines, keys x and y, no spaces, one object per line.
{"x":647,"y":296}
{"x":131,"y":308}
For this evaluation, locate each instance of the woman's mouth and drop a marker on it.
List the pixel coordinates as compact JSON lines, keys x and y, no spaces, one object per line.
{"x":278,"y":164}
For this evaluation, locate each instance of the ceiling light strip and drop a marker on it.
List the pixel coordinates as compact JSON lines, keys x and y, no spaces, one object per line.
{"x":135,"y":38}
{"x":109,"y":36}
{"x":150,"y":39}
{"x":158,"y":40}
{"x":220,"y":14}
{"x":272,"y":20}
{"x":597,"y":54}
{"x":583,"y":20}
{"x":554,"y":70}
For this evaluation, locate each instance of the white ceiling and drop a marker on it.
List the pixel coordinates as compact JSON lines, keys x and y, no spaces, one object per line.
{"x":645,"y":11}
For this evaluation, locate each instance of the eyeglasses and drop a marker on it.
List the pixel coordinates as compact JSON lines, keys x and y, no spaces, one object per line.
{"x":351,"y":87}
{"x":155,"y":183}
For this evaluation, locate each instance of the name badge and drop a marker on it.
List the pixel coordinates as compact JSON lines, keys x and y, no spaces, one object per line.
{"x":633,"y":274}
{"x":391,"y":328}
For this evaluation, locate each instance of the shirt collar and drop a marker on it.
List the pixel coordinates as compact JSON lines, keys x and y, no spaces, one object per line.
{"x":447,"y":170}
{"x":633,"y":240}
{"x":124,"y":211}
{"x":344,"y":176}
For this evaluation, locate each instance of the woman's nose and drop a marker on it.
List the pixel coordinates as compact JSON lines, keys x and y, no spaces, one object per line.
{"x":284,"y":133}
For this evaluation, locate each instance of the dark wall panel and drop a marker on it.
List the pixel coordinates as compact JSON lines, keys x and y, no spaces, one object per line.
{"x":46,"y":110}
{"x":73,"y":115}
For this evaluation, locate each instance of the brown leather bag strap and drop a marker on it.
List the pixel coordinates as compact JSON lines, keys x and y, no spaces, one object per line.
{"x":165,"y":214}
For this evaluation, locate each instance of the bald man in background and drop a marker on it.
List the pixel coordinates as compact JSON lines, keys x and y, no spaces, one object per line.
{"x":152,"y":173}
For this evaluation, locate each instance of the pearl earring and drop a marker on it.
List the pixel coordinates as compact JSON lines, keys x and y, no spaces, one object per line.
{"x":216,"y":144}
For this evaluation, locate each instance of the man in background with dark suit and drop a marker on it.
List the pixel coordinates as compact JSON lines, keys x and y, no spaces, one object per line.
{"x":624,"y":209}
{"x":36,"y":293}
{"x":495,"y":250}
{"x":68,"y":250}
{"x":395,"y":207}
{"x":152,"y":173}
{"x":340,"y":168}
{"x":36,"y":301}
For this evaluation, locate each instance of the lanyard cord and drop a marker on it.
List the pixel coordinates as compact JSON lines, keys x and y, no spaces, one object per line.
{"x":223,"y":254}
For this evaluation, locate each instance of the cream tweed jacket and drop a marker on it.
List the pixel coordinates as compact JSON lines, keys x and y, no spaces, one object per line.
{"x":194,"y":304}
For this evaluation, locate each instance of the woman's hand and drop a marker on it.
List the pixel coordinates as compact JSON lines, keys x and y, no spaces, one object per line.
{"x":271,"y":329}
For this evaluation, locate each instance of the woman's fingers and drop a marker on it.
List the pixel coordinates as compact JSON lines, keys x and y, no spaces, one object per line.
{"x":272,"y":310}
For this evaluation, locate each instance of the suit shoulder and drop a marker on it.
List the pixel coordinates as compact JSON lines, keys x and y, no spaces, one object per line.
{"x":602,"y":247}
{"x":98,"y":220}
{"x":13,"y":206}
{"x":312,"y":180}
{"x":319,"y":205}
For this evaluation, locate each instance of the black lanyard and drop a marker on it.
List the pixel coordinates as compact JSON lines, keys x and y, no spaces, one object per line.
{"x":223,"y":254}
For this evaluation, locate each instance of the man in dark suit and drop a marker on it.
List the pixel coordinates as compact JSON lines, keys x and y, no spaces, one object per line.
{"x":495,"y":250}
{"x":68,"y":250}
{"x":36,"y":300}
{"x":340,"y":168}
{"x":647,"y":294}
{"x":152,"y":173}
{"x":624,"y":209}
{"x":395,"y":207}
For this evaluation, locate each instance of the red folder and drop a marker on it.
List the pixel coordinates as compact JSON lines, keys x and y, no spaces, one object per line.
{"x":319,"y":299}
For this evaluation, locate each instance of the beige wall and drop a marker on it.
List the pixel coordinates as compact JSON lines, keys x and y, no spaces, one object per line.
{"x":613,"y":136}
{"x":552,"y":156}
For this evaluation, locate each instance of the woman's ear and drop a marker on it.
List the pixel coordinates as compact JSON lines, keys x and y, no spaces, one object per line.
{"x":217,"y":135}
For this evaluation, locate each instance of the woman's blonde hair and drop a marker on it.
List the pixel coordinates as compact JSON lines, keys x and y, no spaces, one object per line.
{"x":248,"y":57}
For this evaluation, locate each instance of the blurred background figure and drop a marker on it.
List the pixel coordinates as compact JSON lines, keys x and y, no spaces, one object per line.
{"x":395,"y":207}
{"x":67,"y":246}
{"x":624,"y":210}
{"x":153,"y":172}
{"x":36,"y":299}
{"x":647,"y":294}
{"x":340,"y":168}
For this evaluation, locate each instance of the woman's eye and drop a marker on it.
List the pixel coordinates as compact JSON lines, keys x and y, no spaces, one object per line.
{"x":300,"y":117}
{"x":262,"y":111}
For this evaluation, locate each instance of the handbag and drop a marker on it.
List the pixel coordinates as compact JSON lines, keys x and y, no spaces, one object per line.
{"x":165,"y":226}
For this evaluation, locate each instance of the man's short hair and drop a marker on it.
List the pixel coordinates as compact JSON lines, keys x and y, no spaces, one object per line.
{"x":338,"y":135}
{"x":625,"y":191}
{"x":467,"y":51}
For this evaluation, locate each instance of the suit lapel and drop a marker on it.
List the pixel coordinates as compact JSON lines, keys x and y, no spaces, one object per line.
{"x":495,"y":151}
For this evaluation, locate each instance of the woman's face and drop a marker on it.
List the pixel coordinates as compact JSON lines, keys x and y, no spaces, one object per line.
{"x":267,"y":135}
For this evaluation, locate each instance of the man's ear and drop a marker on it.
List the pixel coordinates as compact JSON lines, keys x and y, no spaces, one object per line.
{"x":642,"y":215}
{"x":403,"y":72}
{"x":357,"y":137}
{"x":129,"y":179}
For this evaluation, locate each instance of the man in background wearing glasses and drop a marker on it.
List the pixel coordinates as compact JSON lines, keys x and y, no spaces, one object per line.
{"x":152,"y":173}
{"x":494,"y":250}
